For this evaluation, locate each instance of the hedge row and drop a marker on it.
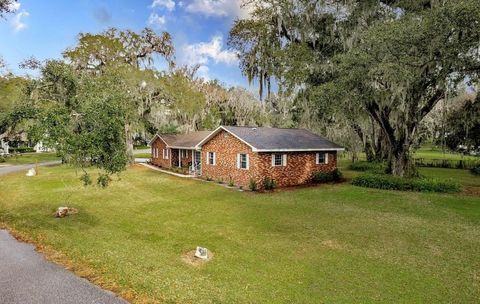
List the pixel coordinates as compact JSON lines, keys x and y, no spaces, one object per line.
{"x":21,"y":150}
{"x":333,"y":176}
{"x":387,"y":182}
{"x":364,"y":166}
{"x":475,"y":170}
{"x":447,"y":163}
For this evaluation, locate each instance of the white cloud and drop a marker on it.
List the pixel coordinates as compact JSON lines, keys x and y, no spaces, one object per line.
{"x":156,"y":20}
{"x":201,"y":53}
{"x":18,"y":21}
{"x":218,"y":8}
{"x":168,"y":4}
{"x":205,"y":53}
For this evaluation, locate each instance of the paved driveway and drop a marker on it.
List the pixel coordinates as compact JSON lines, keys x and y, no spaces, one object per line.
{"x":16,"y":168}
{"x":27,"y":278}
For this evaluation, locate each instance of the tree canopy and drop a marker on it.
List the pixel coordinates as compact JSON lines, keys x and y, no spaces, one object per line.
{"x":362,"y":62}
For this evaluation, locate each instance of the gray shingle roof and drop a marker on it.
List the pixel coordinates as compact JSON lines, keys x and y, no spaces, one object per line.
{"x":184,"y":141}
{"x":273,"y":139}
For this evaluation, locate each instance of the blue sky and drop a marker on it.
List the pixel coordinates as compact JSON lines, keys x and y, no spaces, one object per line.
{"x":44,"y":29}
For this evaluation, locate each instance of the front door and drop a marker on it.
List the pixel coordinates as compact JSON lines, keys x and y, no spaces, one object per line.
{"x":197,"y":162}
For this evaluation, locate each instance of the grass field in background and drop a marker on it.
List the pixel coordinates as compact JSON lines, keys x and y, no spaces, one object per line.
{"x":29,"y":158}
{"x":436,"y":153}
{"x":331,"y":243}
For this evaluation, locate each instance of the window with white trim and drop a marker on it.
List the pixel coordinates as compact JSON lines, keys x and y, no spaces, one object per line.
{"x":322,"y":158}
{"x":243,"y":161}
{"x":165,"y":154}
{"x":211,"y":158}
{"x":279,"y":160}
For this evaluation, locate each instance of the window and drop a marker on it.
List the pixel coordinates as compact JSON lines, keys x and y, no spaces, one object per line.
{"x":155,"y":152}
{"x":183,"y":153}
{"x":165,"y":153}
{"x":279,"y":160}
{"x":322,"y":158}
{"x":211,"y":158}
{"x":243,"y":161}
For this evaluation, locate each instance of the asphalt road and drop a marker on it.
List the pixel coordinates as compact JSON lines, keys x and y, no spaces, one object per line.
{"x":16,"y":168}
{"x":27,"y":278}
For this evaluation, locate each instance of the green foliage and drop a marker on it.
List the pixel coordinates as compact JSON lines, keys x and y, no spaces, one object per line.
{"x":388,"y":182}
{"x":103,"y":180}
{"x":220,"y":180}
{"x":464,"y":126}
{"x":252,"y":185}
{"x":326,"y":177}
{"x":21,"y":150}
{"x":447,"y":163}
{"x":208,"y":178}
{"x":231,"y":183}
{"x":373,"y":167}
{"x":475,"y":170}
{"x":269,"y":183}
{"x":86,"y":179}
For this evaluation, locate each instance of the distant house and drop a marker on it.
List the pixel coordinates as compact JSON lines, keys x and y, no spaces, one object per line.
{"x":240,"y":154}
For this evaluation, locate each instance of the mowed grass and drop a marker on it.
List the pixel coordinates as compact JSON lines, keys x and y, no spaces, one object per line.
{"x":429,"y":153}
{"x":326,"y":244}
{"x":29,"y":158}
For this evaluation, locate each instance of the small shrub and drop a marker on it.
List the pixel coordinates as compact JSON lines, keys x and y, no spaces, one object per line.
{"x":388,"y":182}
{"x":220,"y":180}
{"x":103,"y":180}
{"x":269,"y":183}
{"x":231,"y":183}
{"x":86,"y":180}
{"x":22,"y":150}
{"x":475,"y":170}
{"x":363,"y":166}
{"x":252,"y":185}
{"x":2,"y":159}
{"x":322,"y":177}
{"x":208,"y":178}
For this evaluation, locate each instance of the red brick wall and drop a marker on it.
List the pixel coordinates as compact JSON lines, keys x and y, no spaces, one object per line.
{"x":159,"y":161}
{"x":299,"y":168}
{"x":300,"y":165}
{"x":226,"y":149}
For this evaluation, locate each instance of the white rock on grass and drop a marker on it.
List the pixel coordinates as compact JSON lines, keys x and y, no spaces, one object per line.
{"x":31,"y":172}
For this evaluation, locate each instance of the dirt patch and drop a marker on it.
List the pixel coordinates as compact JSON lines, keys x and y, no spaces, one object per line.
{"x":332,"y":244}
{"x":471,"y":191}
{"x":190,"y":258}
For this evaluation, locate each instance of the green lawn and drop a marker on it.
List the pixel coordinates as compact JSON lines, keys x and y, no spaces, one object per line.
{"x":326,"y":244}
{"x":429,"y":153}
{"x":143,"y":155}
{"x":29,"y":158}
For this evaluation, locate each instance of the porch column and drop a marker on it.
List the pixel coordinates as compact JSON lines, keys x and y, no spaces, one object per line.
{"x":180,"y":158}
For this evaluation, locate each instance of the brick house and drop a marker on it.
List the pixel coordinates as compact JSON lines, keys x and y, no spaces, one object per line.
{"x":239,"y":154}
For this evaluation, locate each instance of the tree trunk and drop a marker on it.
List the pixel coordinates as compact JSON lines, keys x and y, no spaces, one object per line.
{"x":399,"y":162}
{"x":129,"y":144}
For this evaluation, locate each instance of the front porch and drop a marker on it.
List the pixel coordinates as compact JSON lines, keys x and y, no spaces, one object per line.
{"x":186,"y":161}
